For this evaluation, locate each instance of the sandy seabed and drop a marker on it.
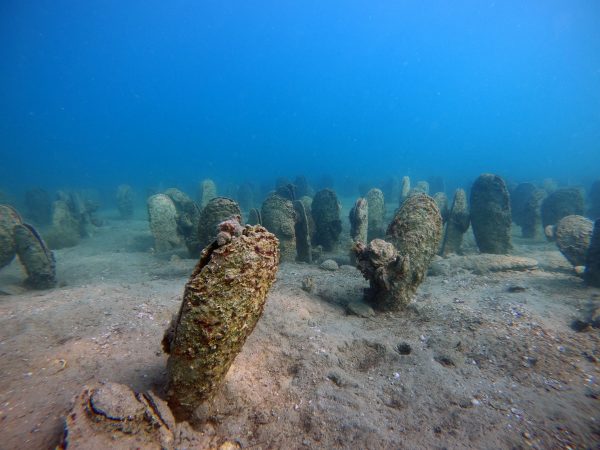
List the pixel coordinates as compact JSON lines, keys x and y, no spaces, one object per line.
{"x":477,"y":361}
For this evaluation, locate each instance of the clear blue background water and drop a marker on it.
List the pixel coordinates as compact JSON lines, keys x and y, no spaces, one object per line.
{"x":96,"y":93}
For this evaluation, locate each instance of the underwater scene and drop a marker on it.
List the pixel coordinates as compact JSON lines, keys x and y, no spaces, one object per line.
{"x":299,"y":224}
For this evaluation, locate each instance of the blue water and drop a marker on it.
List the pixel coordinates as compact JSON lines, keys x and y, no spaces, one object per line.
{"x":97,"y":93}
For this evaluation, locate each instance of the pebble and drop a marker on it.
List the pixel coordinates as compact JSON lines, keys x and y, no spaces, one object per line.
{"x":329,"y":264}
{"x":360,"y":309}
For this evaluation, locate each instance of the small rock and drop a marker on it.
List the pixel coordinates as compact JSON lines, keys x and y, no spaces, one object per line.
{"x":529,"y":361}
{"x":329,"y":264}
{"x":360,"y":309}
